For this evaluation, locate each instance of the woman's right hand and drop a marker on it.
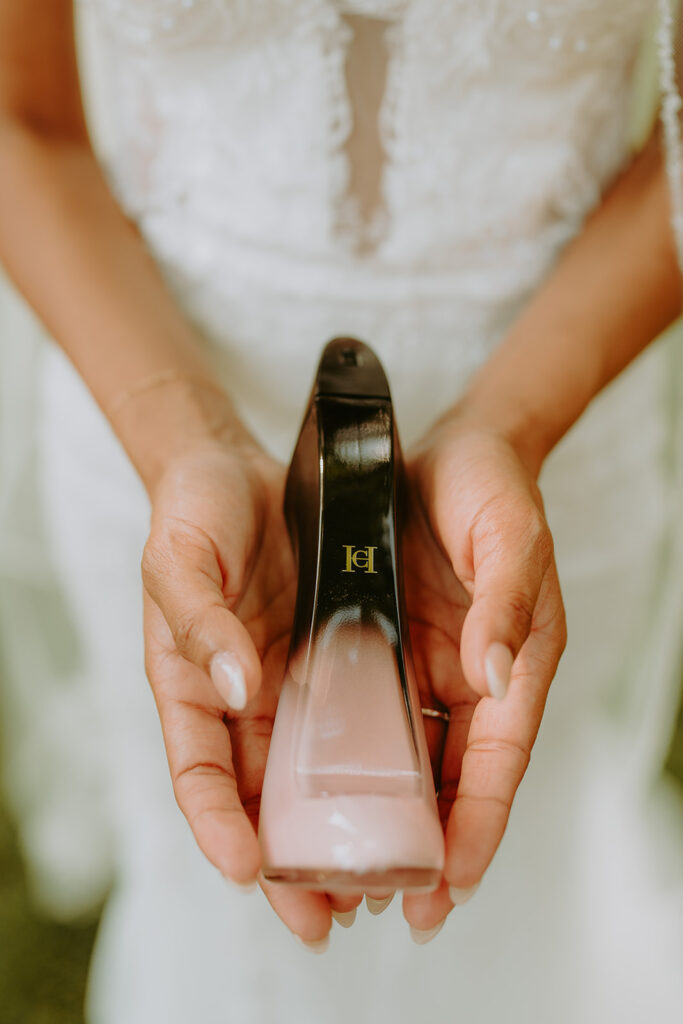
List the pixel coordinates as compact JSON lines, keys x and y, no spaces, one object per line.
{"x":486,"y":621}
{"x":219,"y":589}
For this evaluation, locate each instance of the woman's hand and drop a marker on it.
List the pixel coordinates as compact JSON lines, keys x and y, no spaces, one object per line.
{"x":488,"y":629}
{"x":219,"y":596}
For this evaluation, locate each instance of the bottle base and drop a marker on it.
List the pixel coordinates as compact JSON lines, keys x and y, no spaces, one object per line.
{"x":413,"y":879}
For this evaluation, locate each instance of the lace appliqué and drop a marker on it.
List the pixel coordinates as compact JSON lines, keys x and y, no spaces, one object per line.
{"x":498,"y":127}
{"x":178,"y":24}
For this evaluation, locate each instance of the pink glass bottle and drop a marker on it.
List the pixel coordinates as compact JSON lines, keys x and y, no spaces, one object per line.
{"x":348,"y":801}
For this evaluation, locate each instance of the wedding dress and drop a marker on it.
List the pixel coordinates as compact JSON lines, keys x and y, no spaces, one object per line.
{"x":406,"y":171}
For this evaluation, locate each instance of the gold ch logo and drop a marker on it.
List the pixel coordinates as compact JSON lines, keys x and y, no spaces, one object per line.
{"x":360,"y":558}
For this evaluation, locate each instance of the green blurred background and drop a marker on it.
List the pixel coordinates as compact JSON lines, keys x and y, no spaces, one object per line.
{"x":43,"y":964}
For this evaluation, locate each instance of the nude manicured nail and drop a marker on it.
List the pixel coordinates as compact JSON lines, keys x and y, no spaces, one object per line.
{"x":460,"y":896}
{"x":498,"y":666}
{"x":344,"y":917}
{"x":242,"y":886}
{"x":377,"y":906}
{"x":317,"y":946}
{"x":421,"y":937}
{"x":227,"y":676}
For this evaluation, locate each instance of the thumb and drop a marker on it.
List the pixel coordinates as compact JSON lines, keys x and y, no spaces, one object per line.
{"x":181,"y":574}
{"x":511,"y":553}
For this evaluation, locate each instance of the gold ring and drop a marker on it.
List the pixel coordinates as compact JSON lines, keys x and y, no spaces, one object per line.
{"x":434,"y":713}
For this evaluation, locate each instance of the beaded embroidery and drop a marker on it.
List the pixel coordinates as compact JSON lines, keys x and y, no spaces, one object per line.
{"x":501,"y":123}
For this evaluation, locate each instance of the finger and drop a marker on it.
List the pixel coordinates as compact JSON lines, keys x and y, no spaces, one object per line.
{"x":307,"y":914}
{"x":343,"y":902}
{"x":486,"y":753}
{"x":200,"y":758}
{"x":499,"y":744}
{"x":344,"y":908}
{"x":425,"y":910}
{"x":439,"y":671}
{"x":377,"y":900}
{"x":181,"y":572}
{"x":512,"y":550}
{"x":459,"y":724}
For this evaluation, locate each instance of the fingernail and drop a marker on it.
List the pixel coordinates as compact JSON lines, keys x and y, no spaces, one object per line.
{"x":498,"y":666}
{"x":460,"y":896}
{"x":319,"y":946}
{"x":420,"y":937}
{"x":242,"y":886}
{"x":227,"y":676}
{"x":344,"y":917}
{"x":377,"y":906}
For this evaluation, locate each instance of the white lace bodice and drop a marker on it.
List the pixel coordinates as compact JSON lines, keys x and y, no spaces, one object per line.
{"x":367,"y":160}
{"x":499,"y":122}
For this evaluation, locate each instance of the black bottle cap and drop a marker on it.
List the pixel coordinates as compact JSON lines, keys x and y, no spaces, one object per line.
{"x":350,"y":368}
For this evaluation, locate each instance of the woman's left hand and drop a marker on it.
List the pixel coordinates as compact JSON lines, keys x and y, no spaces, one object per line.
{"x":487,"y":627}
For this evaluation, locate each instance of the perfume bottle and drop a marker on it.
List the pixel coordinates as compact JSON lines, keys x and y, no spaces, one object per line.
{"x":348,"y":800}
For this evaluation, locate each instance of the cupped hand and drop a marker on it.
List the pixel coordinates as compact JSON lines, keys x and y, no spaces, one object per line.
{"x":219,"y":590}
{"x":488,"y":628}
